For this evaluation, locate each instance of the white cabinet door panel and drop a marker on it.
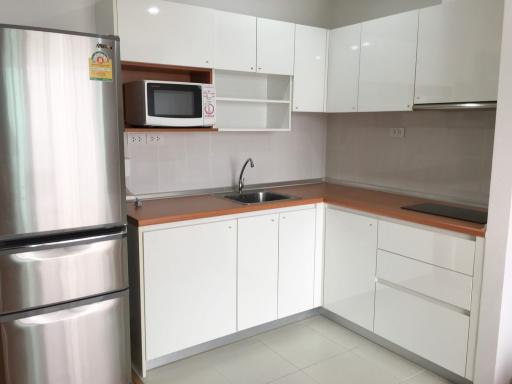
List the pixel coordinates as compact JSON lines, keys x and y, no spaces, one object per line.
{"x":432,"y":331}
{"x":459,"y":44}
{"x":178,"y":35}
{"x":189,"y":286}
{"x":438,"y":283}
{"x":310,"y":69}
{"x":257,"y":270}
{"x":343,"y":74}
{"x":296,"y":262}
{"x":235,"y":42}
{"x":388,"y":63}
{"x":276,"y":47}
{"x":350,"y":262}
{"x":441,"y":249}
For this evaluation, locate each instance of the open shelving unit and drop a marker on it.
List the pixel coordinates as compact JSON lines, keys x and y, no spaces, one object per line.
{"x":132,"y":71}
{"x":253,"y":102}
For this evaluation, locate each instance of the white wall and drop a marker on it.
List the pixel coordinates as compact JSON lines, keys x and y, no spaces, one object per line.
{"x":89,"y":16}
{"x":311,"y":12}
{"x":494,"y":357}
{"x":188,"y":161}
{"x":445,"y":155}
{"x":346,"y":12}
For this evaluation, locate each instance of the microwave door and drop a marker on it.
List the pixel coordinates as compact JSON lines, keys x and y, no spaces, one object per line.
{"x":175,"y":105}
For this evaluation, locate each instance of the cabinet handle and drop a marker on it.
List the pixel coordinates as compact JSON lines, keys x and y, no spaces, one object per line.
{"x":252,"y":68}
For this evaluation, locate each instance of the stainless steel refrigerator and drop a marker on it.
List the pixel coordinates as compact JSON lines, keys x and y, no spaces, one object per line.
{"x":63,"y":268}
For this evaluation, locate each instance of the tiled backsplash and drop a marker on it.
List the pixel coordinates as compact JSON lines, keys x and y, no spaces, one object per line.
{"x":446,"y":155}
{"x":190,"y":161}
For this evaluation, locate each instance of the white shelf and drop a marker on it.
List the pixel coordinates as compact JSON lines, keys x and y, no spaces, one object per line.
{"x":267,"y":101}
{"x":253,"y":102}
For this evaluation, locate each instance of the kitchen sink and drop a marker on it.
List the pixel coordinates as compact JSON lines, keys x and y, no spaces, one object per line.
{"x":257,"y":197}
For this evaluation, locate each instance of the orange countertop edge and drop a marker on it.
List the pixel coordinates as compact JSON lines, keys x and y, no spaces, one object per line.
{"x":174,"y":209}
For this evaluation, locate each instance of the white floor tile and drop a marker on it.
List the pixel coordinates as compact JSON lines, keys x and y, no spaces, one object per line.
{"x":189,"y":371}
{"x":301,"y":345}
{"x":295,"y":378}
{"x":394,"y":364}
{"x":249,"y":362}
{"x":335,"y":332}
{"x":426,"y":377}
{"x":349,"y":368}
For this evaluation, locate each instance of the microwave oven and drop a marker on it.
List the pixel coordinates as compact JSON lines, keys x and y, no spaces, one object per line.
{"x":169,"y":104}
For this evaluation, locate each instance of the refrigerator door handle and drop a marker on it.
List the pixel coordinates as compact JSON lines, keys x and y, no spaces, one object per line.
{"x":60,"y":241}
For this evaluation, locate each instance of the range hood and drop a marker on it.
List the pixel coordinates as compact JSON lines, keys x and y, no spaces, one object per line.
{"x":483,"y":105}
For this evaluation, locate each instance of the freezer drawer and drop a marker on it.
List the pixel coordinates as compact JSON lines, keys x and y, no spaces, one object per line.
{"x":38,"y":278}
{"x":80,"y":345}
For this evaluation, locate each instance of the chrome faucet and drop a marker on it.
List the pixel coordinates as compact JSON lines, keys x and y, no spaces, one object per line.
{"x":241,"y":178}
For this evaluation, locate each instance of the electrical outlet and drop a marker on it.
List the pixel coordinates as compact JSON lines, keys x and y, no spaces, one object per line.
{"x":154,"y":138}
{"x":136,"y":139}
{"x":397,"y":132}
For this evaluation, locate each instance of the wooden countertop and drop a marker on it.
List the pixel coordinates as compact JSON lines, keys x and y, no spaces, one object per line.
{"x":167,"y":210}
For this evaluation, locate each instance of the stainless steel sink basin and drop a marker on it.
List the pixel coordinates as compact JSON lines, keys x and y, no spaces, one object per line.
{"x":256,"y":197}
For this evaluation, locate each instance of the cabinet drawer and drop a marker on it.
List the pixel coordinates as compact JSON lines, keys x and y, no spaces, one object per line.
{"x":431,"y":331}
{"x":443,"y":250}
{"x":439,"y":283}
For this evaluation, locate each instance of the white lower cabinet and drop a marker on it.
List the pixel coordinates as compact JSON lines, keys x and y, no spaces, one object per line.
{"x":296,"y":262}
{"x":257,"y":270}
{"x":350,"y":262}
{"x":428,"y":329}
{"x":189,"y":286}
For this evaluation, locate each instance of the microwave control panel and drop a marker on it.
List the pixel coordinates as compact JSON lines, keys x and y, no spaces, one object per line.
{"x":209,"y":104}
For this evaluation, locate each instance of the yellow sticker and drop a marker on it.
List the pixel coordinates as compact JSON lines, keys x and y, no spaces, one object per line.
{"x":100,"y":67}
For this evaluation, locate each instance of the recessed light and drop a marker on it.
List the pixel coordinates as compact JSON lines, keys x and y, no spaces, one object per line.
{"x":153,"y":10}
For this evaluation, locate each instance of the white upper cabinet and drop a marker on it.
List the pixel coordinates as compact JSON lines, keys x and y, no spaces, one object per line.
{"x":310,"y":69}
{"x":343,"y":74}
{"x":162,"y":32}
{"x":257,"y":270}
{"x":296,"y":261}
{"x":459,"y":51}
{"x":235,"y":42}
{"x":276,"y":47}
{"x":349,"y":269}
{"x":388,"y":63}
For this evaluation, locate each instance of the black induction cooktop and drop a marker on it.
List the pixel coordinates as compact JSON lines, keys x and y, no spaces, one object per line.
{"x":465,"y":214}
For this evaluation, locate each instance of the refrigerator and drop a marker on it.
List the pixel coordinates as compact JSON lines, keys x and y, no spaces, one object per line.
{"x":63,"y":265}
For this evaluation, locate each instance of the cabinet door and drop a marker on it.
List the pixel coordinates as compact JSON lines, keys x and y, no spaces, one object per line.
{"x":388,"y":63}
{"x":343,"y":74}
{"x":235,"y":42}
{"x":459,"y":45}
{"x":189,"y":286}
{"x":350,"y":265}
{"x":296,"y":262}
{"x":257,"y":270}
{"x":276,"y":47}
{"x":430,"y":330}
{"x":310,"y":69}
{"x":177,"y":35}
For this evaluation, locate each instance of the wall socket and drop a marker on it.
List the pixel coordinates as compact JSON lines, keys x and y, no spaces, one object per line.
{"x":154,"y":138}
{"x":397,"y":132}
{"x":136,"y":139}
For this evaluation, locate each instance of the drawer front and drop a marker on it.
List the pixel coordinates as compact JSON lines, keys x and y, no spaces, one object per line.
{"x":443,"y":250}
{"x":431,"y":331}
{"x":439,"y":283}
{"x":83,"y":344}
{"x":61,"y":274}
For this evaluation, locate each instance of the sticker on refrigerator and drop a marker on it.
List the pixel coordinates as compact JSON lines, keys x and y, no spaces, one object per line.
{"x":100,"y":67}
